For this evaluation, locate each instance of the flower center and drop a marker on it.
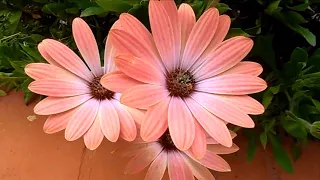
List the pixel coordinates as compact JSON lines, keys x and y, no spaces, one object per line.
{"x":166,"y":141}
{"x":98,"y":91}
{"x":180,"y":83}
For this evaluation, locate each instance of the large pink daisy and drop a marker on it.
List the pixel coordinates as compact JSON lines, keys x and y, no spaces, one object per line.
{"x":76,"y":100}
{"x":185,"y":69}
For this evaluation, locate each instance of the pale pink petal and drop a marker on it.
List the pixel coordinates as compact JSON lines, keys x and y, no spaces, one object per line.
{"x":181,"y":124}
{"x":227,"y":55}
{"x":132,"y":149}
{"x":187,"y":20}
{"x":82,"y":120}
{"x":224,"y":110}
{"x":137,"y":114}
{"x":219,"y":35}
{"x":94,"y":136}
{"x":232,"y":84}
{"x":199,"y":146}
{"x":128,"y":129}
{"x":214,"y":162}
{"x":214,"y":126}
{"x":143,"y":159}
{"x":87,"y":45}
{"x":46,"y":56}
{"x":58,"y":122}
{"x":164,"y":34}
{"x":110,"y":51}
{"x":139,"y":69}
{"x":117,"y":81}
{"x":54,"y":105}
{"x":58,"y":88}
{"x":67,"y":58}
{"x":109,"y":121}
{"x":157,"y":167}
{"x":245,"y":103}
{"x":199,"y":171}
{"x":245,"y":67}
{"x":144,"y":96}
{"x":210,"y":140}
{"x":200,"y":37}
{"x":219,"y":149}
{"x":155,"y":122}
{"x":177,"y":168}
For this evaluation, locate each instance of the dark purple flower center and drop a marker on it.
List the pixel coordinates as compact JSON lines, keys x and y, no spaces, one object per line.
{"x":166,"y":141}
{"x":180,"y":83}
{"x":98,"y":91}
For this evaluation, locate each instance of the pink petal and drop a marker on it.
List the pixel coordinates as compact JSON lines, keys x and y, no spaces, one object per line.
{"x":139,"y":69}
{"x":67,"y":58}
{"x":144,"y":96}
{"x":143,"y":159}
{"x":58,"y":88}
{"x":214,"y":162}
{"x":224,"y":110}
{"x":214,"y":126}
{"x":109,"y":121}
{"x":82,"y":120}
{"x":132,"y":149}
{"x":200,"y":37}
{"x":199,"y":171}
{"x":219,"y":35}
{"x":199,"y":146}
{"x":117,"y":81}
{"x":219,"y":149}
{"x":58,"y":122}
{"x":165,"y":34}
{"x":110,"y":51}
{"x":54,"y":105}
{"x":187,"y":21}
{"x":46,"y":56}
{"x":137,"y":114}
{"x":128,"y":129}
{"x":181,"y":124}
{"x":245,"y":67}
{"x":177,"y":168}
{"x":227,"y":55}
{"x":232,"y":84}
{"x":156,"y":121}
{"x":245,"y":103}
{"x":210,"y":140}
{"x":126,"y":43}
{"x":94,"y":136}
{"x":87,"y":45}
{"x":157,"y":167}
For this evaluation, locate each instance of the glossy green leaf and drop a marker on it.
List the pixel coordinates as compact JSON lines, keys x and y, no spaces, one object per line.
{"x":300,"y":7}
{"x":115,"y":6}
{"x":294,"y":128}
{"x":299,"y":55}
{"x":2,"y":93}
{"x":236,"y":32}
{"x":252,"y":148}
{"x":264,"y":139}
{"x":90,"y":11}
{"x":272,"y":7}
{"x":222,"y":8}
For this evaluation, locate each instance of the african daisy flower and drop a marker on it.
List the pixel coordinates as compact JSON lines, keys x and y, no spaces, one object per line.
{"x":76,"y":100}
{"x":185,"y":70}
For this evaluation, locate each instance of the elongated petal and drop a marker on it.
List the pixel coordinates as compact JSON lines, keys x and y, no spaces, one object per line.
{"x":224,"y":110}
{"x":200,"y":37}
{"x":157,"y":167}
{"x":54,"y":105}
{"x":128,"y":129}
{"x":181,"y":124}
{"x":245,"y":67}
{"x":219,"y":149}
{"x":94,"y":136}
{"x":139,"y":69}
{"x":109,"y":121}
{"x":245,"y":103}
{"x":214,"y":126}
{"x":110,"y":51}
{"x":156,"y":121}
{"x":143,"y":159}
{"x":199,"y":146}
{"x":199,"y":171}
{"x":232,"y":84}
{"x":46,"y":56}
{"x":131,"y":149}
{"x":67,"y":58}
{"x":117,"y":81}
{"x":227,"y":55}
{"x":82,"y":120}
{"x":187,"y":20}
{"x":164,"y":34}
{"x":214,"y":162}
{"x":137,"y":115}
{"x":144,"y":96}
{"x":87,"y":45}
{"x":177,"y":168}
{"x":210,"y":140}
{"x":58,"y":88}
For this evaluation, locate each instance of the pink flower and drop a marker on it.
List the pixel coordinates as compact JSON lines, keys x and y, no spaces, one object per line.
{"x":162,"y":154}
{"x":185,"y":70}
{"x":76,"y":100}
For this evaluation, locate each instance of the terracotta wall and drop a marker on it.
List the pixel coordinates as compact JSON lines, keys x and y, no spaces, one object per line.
{"x":27,"y":153}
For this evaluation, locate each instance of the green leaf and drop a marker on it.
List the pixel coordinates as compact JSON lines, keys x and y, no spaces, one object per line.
{"x":272,"y":7}
{"x":300,"y":7}
{"x":275,"y":89}
{"x":90,"y":11}
{"x":236,"y":32}
{"x":280,"y":154}
{"x":294,"y":128}
{"x":268,"y":95}
{"x":315,"y":129}
{"x":222,"y":8}
{"x":309,"y":36}
{"x":54,"y":8}
{"x":2,"y":93}
{"x":264,"y":139}
{"x":252,"y":148}
{"x":15,"y":16}
{"x":115,"y":6}
{"x":295,"y":151}
{"x":299,"y":55}
{"x":316,"y":103}
{"x":73,"y":10}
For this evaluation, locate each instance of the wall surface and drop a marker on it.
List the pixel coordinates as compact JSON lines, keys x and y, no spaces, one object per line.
{"x":27,"y":153}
